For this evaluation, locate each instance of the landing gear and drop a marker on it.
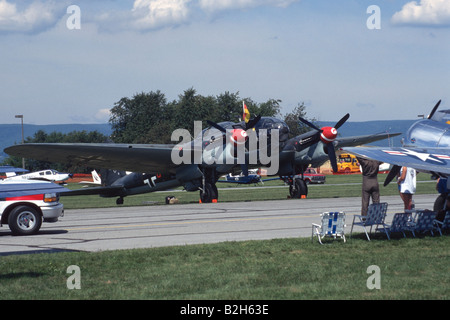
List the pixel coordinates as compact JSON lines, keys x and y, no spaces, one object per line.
{"x":119,"y":201}
{"x":209,"y":191}
{"x":298,"y":188}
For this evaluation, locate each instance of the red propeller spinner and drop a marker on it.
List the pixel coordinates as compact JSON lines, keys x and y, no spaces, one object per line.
{"x":328,"y":134}
{"x":238,"y":136}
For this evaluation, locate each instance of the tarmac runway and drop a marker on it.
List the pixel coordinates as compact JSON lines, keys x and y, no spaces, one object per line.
{"x":184,"y":224}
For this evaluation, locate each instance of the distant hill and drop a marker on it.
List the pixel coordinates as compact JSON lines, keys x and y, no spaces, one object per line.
{"x":11,"y":134}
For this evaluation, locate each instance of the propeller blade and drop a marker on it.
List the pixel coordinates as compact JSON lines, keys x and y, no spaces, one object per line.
{"x":252,"y":122}
{"x":342,"y":121}
{"x":392,"y":174}
{"x":332,"y":156}
{"x":215,"y":125}
{"x":434,"y":110}
{"x":309,"y":124}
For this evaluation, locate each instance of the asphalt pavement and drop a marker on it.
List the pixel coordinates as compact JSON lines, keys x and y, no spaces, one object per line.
{"x":184,"y":224}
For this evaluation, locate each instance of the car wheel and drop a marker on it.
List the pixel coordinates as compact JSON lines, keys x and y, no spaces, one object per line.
{"x":24,"y":220}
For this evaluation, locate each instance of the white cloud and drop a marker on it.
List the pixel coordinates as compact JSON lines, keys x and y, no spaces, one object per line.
{"x":103,"y":115}
{"x":427,"y":12}
{"x":34,"y":18}
{"x":150,"y":14}
{"x":220,"y":5}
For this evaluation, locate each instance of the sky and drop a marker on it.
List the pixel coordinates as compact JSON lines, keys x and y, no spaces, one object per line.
{"x":69,"y":61}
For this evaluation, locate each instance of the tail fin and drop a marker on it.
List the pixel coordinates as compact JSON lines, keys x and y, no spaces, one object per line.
{"x":96,"y":178}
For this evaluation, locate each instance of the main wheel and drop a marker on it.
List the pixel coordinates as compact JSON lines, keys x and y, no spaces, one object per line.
{"x":24,"y":220}
{"x":301,"y":189}
{"x":207,"y":194}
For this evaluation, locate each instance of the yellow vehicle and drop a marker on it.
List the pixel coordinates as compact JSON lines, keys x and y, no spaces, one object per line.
{"x":347,"y":163}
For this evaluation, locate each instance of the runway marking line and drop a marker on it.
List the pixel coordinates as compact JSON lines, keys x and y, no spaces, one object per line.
{"x":204,"y":221}
{"x":181,"y":223}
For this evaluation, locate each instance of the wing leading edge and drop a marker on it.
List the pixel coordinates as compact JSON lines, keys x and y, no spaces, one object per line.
{"x":431,"y":160}
{"x":126,"y":157}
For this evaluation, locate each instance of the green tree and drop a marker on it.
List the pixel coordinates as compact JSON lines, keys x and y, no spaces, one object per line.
{"x":132,"y":119}
{"x":228,"y":107}
{"x":270,"y":108}
{"x":292,"y":120}
{"x":192,"y":107}
{"x":148,"y":118}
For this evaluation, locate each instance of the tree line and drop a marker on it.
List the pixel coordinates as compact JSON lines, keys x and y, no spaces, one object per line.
{"x":148,"y":117}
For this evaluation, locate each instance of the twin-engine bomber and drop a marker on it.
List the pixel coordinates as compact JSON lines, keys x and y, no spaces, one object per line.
{"x":224,"y":147}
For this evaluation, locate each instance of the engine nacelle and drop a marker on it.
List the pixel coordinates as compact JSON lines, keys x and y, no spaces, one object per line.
{"x":428,"y":133}
{"x":315,"y":155}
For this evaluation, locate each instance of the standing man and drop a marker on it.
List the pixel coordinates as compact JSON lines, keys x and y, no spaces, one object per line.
{"x":370,"y":187}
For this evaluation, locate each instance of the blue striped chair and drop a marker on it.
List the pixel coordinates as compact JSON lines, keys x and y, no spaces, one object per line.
{"x":333,"y":224}
{"x":424,"y":222}
{"x":376,"y":213}
{"x":399,"y":223}
{"x":445,"y":224}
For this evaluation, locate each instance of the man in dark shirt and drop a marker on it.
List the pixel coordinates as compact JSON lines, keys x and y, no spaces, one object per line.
{"x":370,"y":187}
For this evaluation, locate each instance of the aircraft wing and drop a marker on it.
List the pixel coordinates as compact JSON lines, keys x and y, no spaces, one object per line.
{"x":110,"y":191}
{"x":360,"y":140}
{"x":10,"y":190}
{"x":432,"y":160}
{"x":126,"y":157}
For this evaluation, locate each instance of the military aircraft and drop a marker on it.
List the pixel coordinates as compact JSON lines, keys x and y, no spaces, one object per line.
{"x":426,"y":147}
{"x":197,"y":164}
{"x":118,"y":183}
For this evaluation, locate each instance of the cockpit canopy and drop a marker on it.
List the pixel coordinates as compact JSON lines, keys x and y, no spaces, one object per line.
{"x":272,"y":123}
{"x":268,"y":123}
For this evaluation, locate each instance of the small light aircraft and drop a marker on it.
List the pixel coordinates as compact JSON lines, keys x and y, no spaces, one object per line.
{"x":117,"y":183}
{"x":96,"y":180}
{"x":251,"y":178}
{"x":48,"y":175}
{"x":218,"y":150}
{"x":426,"y":147}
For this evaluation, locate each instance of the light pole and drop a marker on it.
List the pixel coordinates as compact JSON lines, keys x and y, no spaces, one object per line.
{"x":20,"y":116}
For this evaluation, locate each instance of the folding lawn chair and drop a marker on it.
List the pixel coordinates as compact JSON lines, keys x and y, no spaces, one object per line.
{"x":445,"y":224}
{"x":376,"y":213}
{"x":424,"y":222}
{"x":399,"y":223}
{"x":333,"y":224}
